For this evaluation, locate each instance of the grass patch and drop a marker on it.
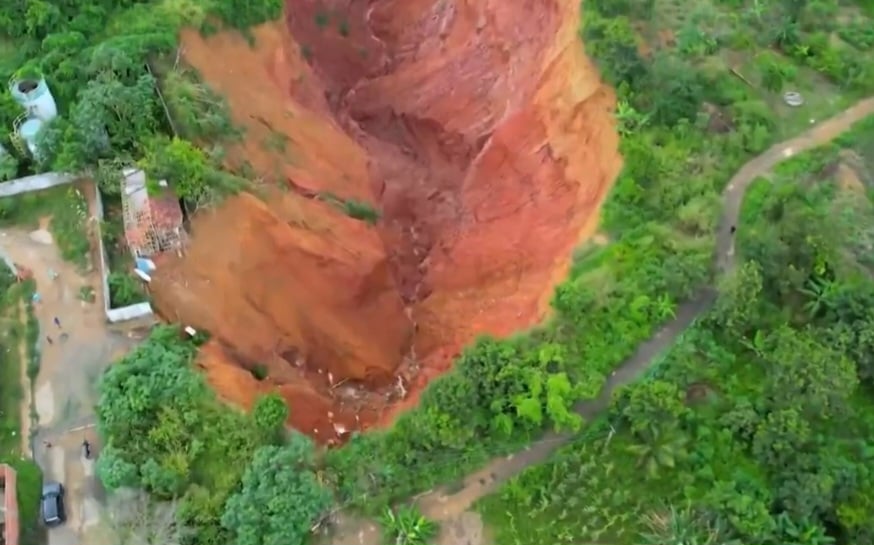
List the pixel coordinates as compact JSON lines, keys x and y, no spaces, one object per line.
{"x":67,"y":210}
{"x":353,"y":208}
{"x":29,"y":491}
{"x":17,"y":342}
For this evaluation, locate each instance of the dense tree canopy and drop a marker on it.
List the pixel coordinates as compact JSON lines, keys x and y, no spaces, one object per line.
{"x":280,"y":498}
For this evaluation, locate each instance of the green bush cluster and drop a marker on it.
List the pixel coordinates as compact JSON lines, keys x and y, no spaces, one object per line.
{"x":240,"y":479}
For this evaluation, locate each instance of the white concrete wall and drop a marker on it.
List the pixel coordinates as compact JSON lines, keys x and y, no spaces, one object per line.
{"x":38,"y":182}
{"x":130,"y":312}
{"x":122,"y":314}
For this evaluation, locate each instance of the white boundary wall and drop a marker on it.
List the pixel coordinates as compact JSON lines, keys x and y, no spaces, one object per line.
{"x":38,"y":182}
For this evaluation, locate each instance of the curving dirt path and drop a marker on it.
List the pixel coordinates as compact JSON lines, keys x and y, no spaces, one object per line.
{"x":442,"y":506}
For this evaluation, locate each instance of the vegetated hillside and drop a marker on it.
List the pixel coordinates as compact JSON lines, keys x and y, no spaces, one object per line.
{"x":757,"y":426}
{"x":482,"y":163}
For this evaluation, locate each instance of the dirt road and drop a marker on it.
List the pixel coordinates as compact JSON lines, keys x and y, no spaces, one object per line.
{"x":65,"y":394}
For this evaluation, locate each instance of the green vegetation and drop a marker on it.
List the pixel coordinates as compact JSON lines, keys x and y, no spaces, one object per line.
{"x":29,"y":481}
{"x":756,"y":426}
{"x":353,"y":208}
{"x":280,"y":497}
{"x":124,"y":287}
{"x":406,"y":526}
{"x":238,"y":479}
{"x":752,"y":429}
{"x":86,"y":294}
{"x":67,"y":208}
{"x":11,"y":340}
{"x":361,"y":211}
{"x":687,"y":125}
{"x":113,"y":111}
{"x":18,"y":344}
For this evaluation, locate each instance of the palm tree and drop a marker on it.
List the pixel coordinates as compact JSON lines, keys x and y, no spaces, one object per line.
{"x":801,"y":533}
{"x":822,"y":293}
{"x":665,"y":307}
{"x":659,"y":450}
{"x":682,"y":527}
{"x":629,"y":119}
{"x":407,"y":526}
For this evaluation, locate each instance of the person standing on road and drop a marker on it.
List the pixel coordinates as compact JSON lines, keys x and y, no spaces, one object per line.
{"x":57,"y":321}
{"x":49,"y":340}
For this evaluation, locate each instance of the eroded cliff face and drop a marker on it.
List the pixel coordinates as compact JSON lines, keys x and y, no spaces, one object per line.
{"x":477,"y":127}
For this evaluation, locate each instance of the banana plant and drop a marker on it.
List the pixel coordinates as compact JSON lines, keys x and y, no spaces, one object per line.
{"x":407,"y":526}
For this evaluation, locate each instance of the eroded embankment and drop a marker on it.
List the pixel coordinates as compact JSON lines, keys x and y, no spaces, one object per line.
{"x":479,"y":130}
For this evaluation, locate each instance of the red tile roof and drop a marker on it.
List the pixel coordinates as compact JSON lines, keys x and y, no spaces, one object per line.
{"x":166,"y":216}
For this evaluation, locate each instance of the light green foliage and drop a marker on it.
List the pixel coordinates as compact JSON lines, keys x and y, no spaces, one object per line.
{"x":270,"y":413}
{"x":280,"y":498}
{"x":361,"y":211}
{"x":196,"y":177}
{"x":739,"y":298}
{"x":799,"y":367}
{"x":406,"y":526}
{"x":124,"y":289}
{"x":29,"y":480}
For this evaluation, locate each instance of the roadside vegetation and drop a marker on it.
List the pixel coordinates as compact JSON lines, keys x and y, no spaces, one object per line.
{"x":756,"y":426}
{"x":18,"y":336}
{"x":747,"y":430}
{"x":11,"y":342}
{"x":687,"y":123}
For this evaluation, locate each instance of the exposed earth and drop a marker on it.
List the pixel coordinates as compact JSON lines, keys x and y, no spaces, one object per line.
{"x":451,"y":508}
{"x":65,"y":390}
{"x":484,"y":185}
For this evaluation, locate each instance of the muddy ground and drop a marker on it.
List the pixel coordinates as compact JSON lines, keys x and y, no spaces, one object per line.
{"x":73,"y":355}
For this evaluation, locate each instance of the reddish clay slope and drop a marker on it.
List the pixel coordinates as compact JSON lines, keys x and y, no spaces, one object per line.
{"x":479,"y":129}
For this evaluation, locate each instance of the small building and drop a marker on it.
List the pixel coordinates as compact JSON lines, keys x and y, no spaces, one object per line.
{"x":152,"y":216}
{"x":9,"y":529}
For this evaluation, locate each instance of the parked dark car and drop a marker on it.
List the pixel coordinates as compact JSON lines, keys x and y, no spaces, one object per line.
{"x":53,"y":503}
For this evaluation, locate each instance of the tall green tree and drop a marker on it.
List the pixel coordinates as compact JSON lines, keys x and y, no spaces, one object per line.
{"x":281,"y":497}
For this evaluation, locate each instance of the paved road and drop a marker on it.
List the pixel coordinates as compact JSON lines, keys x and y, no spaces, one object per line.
{"x":65,"y":392}
{"x":442,"y":506}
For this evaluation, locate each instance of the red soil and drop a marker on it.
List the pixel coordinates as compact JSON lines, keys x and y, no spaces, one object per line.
{"x":477,"y":127}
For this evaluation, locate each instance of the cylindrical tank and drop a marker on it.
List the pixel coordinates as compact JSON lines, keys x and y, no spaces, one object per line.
{"x":28,"y":131}
{"x":34,"y":96}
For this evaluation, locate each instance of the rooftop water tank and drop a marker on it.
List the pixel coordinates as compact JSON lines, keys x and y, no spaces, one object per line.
{"x":33,"y":94}
{"x":28,"y":131}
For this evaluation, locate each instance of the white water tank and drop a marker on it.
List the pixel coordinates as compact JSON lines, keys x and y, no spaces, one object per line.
{"x":28,"y":131}
{"x":34,"y":96}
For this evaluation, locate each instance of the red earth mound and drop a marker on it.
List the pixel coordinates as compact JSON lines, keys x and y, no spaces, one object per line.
{"x":479,"y":130}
